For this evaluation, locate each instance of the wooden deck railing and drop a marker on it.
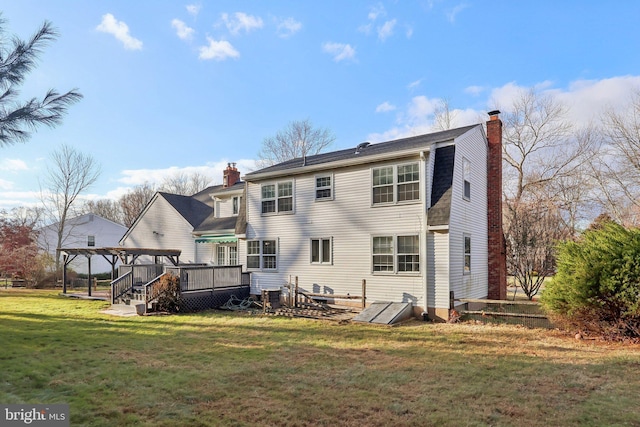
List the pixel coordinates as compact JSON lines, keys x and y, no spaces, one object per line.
{"x":200,"y":278}
{"x":151,"y":289}
{"x":121,"y":286}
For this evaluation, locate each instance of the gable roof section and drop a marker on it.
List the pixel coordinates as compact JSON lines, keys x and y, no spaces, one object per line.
{"x":191,"y":209}
{"x":354,"y":156}
{"x":440,"y":210}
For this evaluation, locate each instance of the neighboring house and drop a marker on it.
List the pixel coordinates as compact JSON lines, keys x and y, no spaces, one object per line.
{"x":409,"y":216}
{"x":84,"y":231}
{"x":202,"y":226}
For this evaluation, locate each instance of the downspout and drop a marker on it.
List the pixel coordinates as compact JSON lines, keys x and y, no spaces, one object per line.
{"x":423,"y":233}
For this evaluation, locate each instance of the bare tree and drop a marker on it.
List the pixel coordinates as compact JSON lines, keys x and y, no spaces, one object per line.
{"x":185,"y":184}
{"x":18,"y":118}
{"x":616,"y":167}
{"x":538,"y":145}
{"x":70,"y":173}
{"x":133,"y":202}
{"x":443,"y":117}
{"x":106,"y":208}
{"x":533,"y":231}
{"x":299,"y":139}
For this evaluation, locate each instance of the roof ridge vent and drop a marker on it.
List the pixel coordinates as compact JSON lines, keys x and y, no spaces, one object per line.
{"x":362,"y":146}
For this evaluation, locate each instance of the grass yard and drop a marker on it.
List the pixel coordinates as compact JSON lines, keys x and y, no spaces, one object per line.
{"x":216,"y":368}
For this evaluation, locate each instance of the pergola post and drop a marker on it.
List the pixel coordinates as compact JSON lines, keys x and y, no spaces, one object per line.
{"x":89,"y":274}
{"x":65,"y":257}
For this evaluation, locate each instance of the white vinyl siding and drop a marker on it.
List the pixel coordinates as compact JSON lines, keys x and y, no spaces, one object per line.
{"x":469,"y":219}
{"x":172,"y":231}
{"x":350,"y":223}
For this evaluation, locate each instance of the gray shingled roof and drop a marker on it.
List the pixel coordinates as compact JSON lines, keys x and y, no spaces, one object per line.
{"x":193,"y":210}
{"x":440,"y":210}
{"x":212,"y":224}
{"x":414,"y":142}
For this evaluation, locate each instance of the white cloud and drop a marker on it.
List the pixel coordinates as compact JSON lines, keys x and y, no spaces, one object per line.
{"x":586,"y":99}
{"x":214,"y":170}
{"x":453,"y":13}
{"x":288,"y":27}
{"x":474,"y":90}
{"x":218,"y":50}
{"x":182,"y":30}
{"x":340,"y":51}
{"x":385,"y":107}
{"x":13,"y":165}
{"x":241,"y":22}
{"x":414,"y":84}
{"x":194,"y":9}
{"x":12,"y":199}
{"x":120,"y":31}
{"x":375,"y":11}
{"x":409,"y":31}
{"x":386,"y":29}
{"x":5,"y":185}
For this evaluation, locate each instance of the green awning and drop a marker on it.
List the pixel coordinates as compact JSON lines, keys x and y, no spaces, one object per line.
{"x":227,"y":238}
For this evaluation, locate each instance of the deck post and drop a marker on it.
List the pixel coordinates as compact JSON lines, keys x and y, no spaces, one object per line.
{"x":364,"y":293}
{"x":295,"y":300}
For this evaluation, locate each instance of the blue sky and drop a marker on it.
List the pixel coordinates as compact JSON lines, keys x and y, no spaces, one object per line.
{"x":173,"y":86}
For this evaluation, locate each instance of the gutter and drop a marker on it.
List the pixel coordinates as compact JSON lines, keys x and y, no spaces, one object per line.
{"x":335,"y":164}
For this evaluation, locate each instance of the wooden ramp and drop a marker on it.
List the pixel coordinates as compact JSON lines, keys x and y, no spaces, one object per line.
{"x":385,"y":313}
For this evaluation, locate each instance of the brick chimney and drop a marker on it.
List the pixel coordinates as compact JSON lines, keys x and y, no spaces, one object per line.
{"x":496,"y":244}
{"x":230,"y":175}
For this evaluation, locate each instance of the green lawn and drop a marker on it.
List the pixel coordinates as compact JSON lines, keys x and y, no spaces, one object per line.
{"x":216,"y":368}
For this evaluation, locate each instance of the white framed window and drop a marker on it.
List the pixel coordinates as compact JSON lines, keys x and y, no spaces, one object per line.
{"x":408,"y":253}
{"x":324,"y":187}
{"x":235,"y":203}
{"x":91,"y":240}
{"x":227,"y":255}
{"x":396,"y":254}
{"x":262,"y":254}
{"x":277,"y":197}
{"x":382,"y":254}
{"x":396,"y":183}
{"x":321,"y":251}
{"x":467,"y":253}
{"x":466,"y":179}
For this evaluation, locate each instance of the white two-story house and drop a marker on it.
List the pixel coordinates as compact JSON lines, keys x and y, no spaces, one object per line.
{"x":409,"y":216}
{"x":202,"y":226}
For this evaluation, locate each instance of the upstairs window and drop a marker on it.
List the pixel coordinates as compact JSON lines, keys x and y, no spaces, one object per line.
{"x":91,"y":240}
{"x":466,"y":179}
{"x":236,"y":204}
{"x":396,"y":184}
{"x":277,"y":198}
{"x":324,"y":187}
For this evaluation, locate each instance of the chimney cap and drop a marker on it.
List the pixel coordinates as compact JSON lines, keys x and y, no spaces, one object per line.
{"x":494,"y":112}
